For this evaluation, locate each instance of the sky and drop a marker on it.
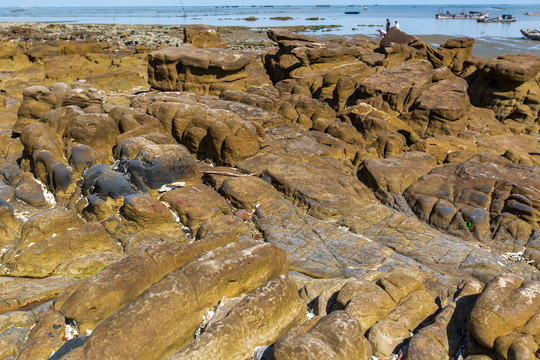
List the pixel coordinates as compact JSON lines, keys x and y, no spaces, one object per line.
{"x":9,"y":3}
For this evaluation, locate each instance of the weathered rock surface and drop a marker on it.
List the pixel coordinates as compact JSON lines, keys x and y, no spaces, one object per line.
{"x":91,"y":302}
{"x":395,"y":90}
{"x":47,"y":256}
{"x":202,"y":71}
{"x":502,"y":318}
{"x":335,"y":336}
{"x":444,"y":337}
{"x":385,"y":180}
{"x":157,"y":165}
{"x":44,"y":338}
{"x":214,"y":274}
{"x":18,"y":292}
{"x":481,"y":199}
{"x":390,"y":177}
{"x":38,"y":100}
{"x":196,"y":204}
{"x":509,"y":86}
{"x":389,"y":332}
{"x":202,"y":36}
{"x":258,"y":320}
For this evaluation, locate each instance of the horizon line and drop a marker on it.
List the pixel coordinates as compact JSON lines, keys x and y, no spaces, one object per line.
{"x":254,"y":5}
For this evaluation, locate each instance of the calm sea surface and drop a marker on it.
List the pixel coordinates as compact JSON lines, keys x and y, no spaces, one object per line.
{"x":415,"y":20}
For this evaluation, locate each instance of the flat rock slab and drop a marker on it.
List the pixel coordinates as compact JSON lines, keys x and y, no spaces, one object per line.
{"x":318,"y":248}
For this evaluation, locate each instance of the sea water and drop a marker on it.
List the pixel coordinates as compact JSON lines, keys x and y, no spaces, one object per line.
{"x":415,"y":20}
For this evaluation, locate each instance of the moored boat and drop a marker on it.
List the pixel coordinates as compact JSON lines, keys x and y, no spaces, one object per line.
{"x":352,"y":12}
{"x":470,"y":15}
{"x":506,"y":18}
{"x":531,"y":13}
{"x":531,"y":34}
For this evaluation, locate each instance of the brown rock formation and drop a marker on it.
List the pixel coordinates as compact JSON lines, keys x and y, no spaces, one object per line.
{"x":509,"y":86}
{"x":202,"y":71}
{"x":202,"y":37}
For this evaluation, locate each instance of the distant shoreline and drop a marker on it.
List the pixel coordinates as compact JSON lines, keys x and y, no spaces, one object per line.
{"x":237,"y":37}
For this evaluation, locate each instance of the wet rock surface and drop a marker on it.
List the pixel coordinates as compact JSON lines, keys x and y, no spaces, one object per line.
{"x":335,"y":199}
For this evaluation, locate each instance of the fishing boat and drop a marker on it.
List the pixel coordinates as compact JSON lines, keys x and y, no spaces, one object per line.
{"x":507,"y":18}
{"x":531,"y":34}
{"x":470,"y":15}
{"x":531,"y":13}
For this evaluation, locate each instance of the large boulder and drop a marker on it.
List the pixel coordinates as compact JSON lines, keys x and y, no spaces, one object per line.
{"x":372,"y":123}
{"x":160,"y":164}
{"x":437,"y":110}
{"x":328,"y":71}
{"x":456,"y":198}
{"x":97,"y":131}
{"x":395,"y":90}
{"x":300,"y":53}
{"x":148,"y":212}
{"x":452,"y":54}
{"x":396,"y":173}
{"x":292,"y":107}
{"x":247,"y":192}
{"x":215,"y":129}
{"x":202,"y":36}
{"x":202,"y":71}
{"x":509,"y":86}
{"x":39,"y":99}
{"x":196,"y":204}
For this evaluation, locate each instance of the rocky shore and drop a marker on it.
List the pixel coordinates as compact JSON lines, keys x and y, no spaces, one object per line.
{"x":182,"y":196}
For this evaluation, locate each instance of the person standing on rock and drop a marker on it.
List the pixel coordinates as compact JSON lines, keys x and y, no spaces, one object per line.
{"x":387,"y":25}
{"x":397,"y":25}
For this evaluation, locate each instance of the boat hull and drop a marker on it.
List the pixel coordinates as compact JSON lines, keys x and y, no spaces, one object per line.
{"x":470,"y":15}
{"x":531,"y":34}
{"x":497,"y":20}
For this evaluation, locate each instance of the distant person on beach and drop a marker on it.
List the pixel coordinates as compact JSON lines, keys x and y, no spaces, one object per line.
{"x":397,"y":25}
{"x":381,"y":32}
{"x":387,"y":24}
